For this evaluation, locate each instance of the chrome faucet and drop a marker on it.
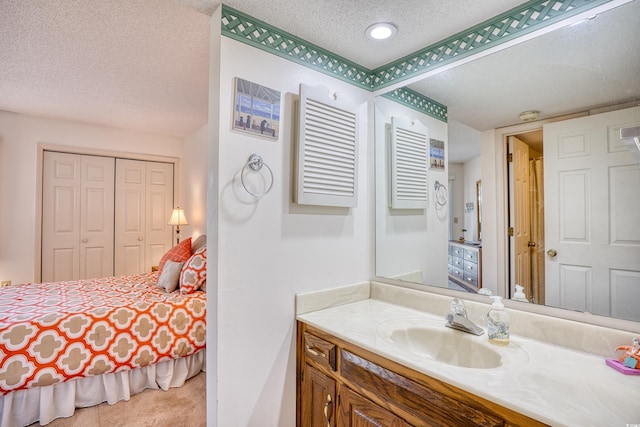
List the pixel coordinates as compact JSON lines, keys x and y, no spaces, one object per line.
{"x":458,"y":319}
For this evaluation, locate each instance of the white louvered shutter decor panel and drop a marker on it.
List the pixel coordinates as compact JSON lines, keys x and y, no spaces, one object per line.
{"x":409,"y":160}
{"x":327,"y":158}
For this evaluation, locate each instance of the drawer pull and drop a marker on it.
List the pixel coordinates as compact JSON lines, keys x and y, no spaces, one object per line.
{"x":315,"y":351}
{"x":327,"y":409}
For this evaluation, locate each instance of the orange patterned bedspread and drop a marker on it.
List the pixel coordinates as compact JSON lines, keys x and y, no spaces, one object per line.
{"x":54,"y":332}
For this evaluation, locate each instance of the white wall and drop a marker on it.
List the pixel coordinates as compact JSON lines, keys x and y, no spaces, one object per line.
{"x":472,"y":174}
{"x":409,"y":240}
{"x":19,"y":139}
{"x":193,"y":182}
{"x":270,"y":249}
{"x":456,"y":199}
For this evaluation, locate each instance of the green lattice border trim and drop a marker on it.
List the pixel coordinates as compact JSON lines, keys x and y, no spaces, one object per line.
{"x":259,"y":34}
{"x":418,"y":102}
{"x":519,"y":21}
{"x":514,"y":23}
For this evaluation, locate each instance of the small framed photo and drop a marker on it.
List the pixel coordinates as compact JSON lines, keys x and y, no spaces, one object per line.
{"x":436,"y":154}
{"x":256,"y":110}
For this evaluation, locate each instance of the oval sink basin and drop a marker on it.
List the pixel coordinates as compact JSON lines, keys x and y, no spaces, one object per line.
{"x":429,"y":339}
{"x":448,"y":346}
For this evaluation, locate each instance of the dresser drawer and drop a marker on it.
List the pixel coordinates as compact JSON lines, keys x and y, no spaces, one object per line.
{"x":457,"y":272}
{"x":457,"y":251}
{"x":456,"y":262}
{"x":320,"y":351}
{"x":470,"y":279}
{"x":470,"y":267}
{"x":471,"y":255}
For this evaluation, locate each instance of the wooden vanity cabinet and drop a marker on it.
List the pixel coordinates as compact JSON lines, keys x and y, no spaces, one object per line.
{"x":320,"y":390}
{"x":342,"y":385}
{"x":356,"y":411}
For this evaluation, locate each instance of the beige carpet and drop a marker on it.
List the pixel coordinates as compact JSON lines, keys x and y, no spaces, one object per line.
{"x":182,"y":406}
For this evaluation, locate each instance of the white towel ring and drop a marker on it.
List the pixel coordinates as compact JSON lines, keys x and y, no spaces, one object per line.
{"x":441,"y":197}
{"x":255,"y":163}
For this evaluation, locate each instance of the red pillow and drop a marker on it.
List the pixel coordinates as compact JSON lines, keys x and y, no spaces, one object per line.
{"x":179,"y":253}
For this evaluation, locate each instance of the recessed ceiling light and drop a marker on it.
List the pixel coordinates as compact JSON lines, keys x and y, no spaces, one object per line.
{"x":381,"y":31}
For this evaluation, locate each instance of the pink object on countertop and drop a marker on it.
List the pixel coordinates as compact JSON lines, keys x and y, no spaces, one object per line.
{"x":618,"y":366}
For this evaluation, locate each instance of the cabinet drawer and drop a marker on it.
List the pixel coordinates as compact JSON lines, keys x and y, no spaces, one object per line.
{"x":457,"y":272}
{"x":457,"y":262}
{"x":320,"y":351}
{"x":471,"y":255}
{"x":457,"y":251}
{"x":470,"y":267}
{"x":470,"y":279}
{"x":430,"y":406}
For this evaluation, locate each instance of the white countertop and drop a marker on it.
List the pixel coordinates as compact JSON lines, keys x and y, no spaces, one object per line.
{"x":553,"y":384}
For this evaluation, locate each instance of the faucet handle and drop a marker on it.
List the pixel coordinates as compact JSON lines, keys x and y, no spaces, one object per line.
{"x":457,"y":307}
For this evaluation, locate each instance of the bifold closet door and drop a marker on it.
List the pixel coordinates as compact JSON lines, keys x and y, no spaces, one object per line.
{"x":144,"y":200}
{"x":77,"y":216}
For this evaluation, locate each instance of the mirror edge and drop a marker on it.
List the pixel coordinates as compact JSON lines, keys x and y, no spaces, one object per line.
{"x":560,"y":313}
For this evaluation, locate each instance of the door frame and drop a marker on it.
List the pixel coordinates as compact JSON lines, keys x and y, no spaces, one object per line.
{"x":496,"y":251}
{"x":42,"y":147}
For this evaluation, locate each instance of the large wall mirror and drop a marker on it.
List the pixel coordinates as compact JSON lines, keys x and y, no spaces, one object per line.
{"x":575,"y":243}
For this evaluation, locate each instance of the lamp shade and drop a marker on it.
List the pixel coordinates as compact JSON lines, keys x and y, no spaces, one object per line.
{"x":178,"y":218}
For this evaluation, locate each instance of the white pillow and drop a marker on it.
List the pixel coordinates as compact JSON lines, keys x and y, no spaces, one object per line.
{"x":198,"y":243}
{"x":170,"y":276}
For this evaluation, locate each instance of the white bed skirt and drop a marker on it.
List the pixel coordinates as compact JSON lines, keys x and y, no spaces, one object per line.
{"x":45,"y":404}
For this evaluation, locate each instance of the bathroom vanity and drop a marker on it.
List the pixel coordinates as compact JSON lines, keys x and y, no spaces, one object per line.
{"x":340,"y":384}
{"x":374,"y":354}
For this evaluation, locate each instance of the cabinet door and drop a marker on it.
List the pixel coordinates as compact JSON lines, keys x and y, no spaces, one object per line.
{"x":357,"y":411}
{"x":318,"y":399}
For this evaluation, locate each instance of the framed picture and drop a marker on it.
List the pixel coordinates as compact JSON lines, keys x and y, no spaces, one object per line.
{"x":436,"y":154}
{"x":256,"y":110}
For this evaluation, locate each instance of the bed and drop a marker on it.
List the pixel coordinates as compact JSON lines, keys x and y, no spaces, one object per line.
{"x":80,"y":343}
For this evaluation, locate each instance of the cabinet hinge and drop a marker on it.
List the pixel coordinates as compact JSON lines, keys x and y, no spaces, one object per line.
{"x":510,"y":231}
{"x":509,"y":157}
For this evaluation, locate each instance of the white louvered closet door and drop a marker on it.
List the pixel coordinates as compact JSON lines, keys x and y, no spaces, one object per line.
{"x":77,"y":216}
{"x":144,"y":199}
{"x":409,"y":159}
{"x":327,"y":163}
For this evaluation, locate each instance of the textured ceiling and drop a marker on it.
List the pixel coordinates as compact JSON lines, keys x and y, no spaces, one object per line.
{"x":591,"y":65}
{"x":143,"y":64}
{"x":588,"y":65}
{"x":132,"y":64}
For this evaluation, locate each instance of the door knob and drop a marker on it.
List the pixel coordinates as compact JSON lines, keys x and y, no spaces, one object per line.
{"x":140,"y":238}
{"x":85,"y":240}
{"x":552,"y":252}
